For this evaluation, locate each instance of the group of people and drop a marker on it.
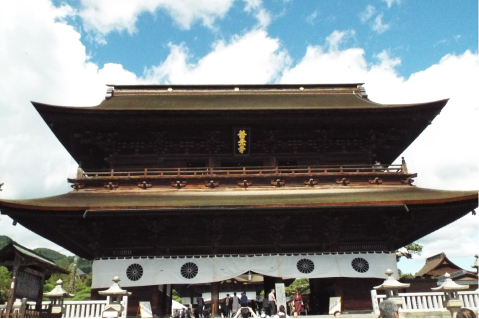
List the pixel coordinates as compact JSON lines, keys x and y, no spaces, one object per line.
{"x":231,"y":305}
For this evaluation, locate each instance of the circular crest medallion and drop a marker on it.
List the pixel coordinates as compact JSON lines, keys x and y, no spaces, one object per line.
{"x":189,"y":270}
{"x":360,"y":265}
{"x":134,"y":272}
{"x":305,"y":266}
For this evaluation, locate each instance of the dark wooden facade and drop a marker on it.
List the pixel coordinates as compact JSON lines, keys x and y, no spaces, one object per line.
{"x":242,"y":170}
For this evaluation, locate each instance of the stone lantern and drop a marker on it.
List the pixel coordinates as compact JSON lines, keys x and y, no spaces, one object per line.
{"x":114,"y":296}
{"x":56,"y":297}
{"x":450,"y":288}
{"x":391,"y":286}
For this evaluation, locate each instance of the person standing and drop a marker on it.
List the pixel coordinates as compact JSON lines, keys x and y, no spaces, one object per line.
{"x":272,"y":303}
{"x":298,"y":302}
{"x":236,"y":303}
{"x":226,"y":306}
{"x":201,"y":306}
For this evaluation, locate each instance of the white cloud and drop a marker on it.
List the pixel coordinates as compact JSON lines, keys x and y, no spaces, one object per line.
{"x":256,"y":8}
{"x":338,"y":37}
{"x":251,"y":58}
{"x":445,"y":155}
{"x":367,"y":13}
{"x":42,"y":59}
{"x":379,"y":26}
{"x":310,"y":18}
{"x":391,"y":2}
{"x":117,"y":15}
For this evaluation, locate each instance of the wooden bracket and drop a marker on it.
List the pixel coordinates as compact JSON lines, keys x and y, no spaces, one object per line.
{"x":278,"y":182}
{"x":212,"y":184}
{"x":245,"y":183}
{"x":77,"y":186}
{"x":178,"y":184}
{"x":144,"y":185}
{"x":376,"y":180}
{"x":407,"y":181}
{"x":111,"y":185}
{"x":311,"y":182}
{"x":343,"y":181}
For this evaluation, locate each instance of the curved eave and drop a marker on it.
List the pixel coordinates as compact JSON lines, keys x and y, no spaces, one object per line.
{"x":239,"y":200}
{"x":247,"y":103}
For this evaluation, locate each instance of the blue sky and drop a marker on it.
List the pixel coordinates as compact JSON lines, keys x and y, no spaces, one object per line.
{"x":419,"y":32}
{"x":64,"y":52}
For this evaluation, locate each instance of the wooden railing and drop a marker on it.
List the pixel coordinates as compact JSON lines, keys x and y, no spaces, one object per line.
{"x":427,"y":301}
{"x":243,"y":171}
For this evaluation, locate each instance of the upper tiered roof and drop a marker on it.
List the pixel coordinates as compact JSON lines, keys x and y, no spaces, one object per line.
{"x":144,"y":125}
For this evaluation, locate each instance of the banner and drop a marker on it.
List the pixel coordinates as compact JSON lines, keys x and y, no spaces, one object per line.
{"x":147,"y":271}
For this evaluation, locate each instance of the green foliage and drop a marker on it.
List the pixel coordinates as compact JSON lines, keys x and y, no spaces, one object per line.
{"x":175,"y":296}
{"x":300,"y":284}
{"x":5,"y":277}
{"x":414,"y":248}
{"x":84,"y":294}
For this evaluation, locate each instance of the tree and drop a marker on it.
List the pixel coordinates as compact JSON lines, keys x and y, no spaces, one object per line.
{"x":5,"y":278}
{"x":175,"y":296}
{"x":300,"y":284}
{"x":411,"y":249}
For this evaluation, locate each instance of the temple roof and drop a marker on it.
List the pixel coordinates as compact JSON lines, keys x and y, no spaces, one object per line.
{"x":155,"y":123}
{"x":437,"y":265}
{"x":7,"y":255}
{"x":239,"y":198}
{"x":237,"y":98}
{"x":98,"y":222}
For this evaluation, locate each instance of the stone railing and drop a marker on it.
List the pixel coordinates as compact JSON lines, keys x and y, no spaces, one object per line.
{"x":427,"y":301}
{"x":82,"y":309}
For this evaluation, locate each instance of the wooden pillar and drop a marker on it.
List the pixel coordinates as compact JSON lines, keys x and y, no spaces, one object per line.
{"x":13,"y":285}
{"x":38,"y":305}
{"x":163,"y":302}
{"x":169,"y":299}
{"x":215,"y":298}
{"x":314,"y":296}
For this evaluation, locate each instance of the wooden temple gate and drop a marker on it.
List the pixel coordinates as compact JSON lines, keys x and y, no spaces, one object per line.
{"x":29,"y":271}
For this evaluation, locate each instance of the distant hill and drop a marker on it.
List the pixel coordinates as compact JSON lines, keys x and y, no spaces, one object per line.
{"x":49,"y":253}
{"x":63,"y":260}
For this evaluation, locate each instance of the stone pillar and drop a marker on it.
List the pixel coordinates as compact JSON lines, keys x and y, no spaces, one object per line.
{"x":56,"y":296}
{"x":392,"y":286}
{"x":114,"y":296}
{"x":215,"y":298}
{"x":450,"y":289}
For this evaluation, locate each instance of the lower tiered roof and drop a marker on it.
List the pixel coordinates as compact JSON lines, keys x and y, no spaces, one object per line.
{"x":121,"y":214}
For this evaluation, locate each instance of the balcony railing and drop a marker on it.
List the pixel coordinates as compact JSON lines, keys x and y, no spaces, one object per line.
{"x":241,"y":172}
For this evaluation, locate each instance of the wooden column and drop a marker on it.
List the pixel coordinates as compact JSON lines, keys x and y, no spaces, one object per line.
{"x":215,"y":297}
{"x":13,"y":284}
{"x":169,"y":299}
{"x":162,"y":302}
{"x":38,"y":305}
